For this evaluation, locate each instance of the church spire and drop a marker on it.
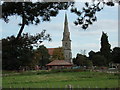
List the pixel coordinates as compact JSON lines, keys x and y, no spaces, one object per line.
{"x":66,"y":33}
{"x":66,"y":42}
{"x":66,"y":29}
{"x":66,"y":21}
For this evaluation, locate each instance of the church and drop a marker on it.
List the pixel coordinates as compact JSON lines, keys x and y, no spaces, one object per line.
{"x":66,"y":45}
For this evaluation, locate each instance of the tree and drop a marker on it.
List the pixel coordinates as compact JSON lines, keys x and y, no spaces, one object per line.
{"x":74,"y":61}
{"x":32,"y":13}
{"x":58,"y":54}
{"x":21,"y":53}
{"x":116,"y":55}
{"x":99,"y":60}
{"x":43,"y":57}
{"x":105,"y":47}
{"x":88,"y":63}
{"x":91,"y":54}
{"x":14,"y":55}
{"x":82,"y":60}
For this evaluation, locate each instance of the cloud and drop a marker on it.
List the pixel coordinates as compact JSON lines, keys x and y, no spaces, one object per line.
{"x":52,"y":44}
{"x":83,"y":0}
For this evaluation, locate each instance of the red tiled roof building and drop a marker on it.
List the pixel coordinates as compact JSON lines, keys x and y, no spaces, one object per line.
{"x":50,"y":51}
{"x":59,"y":64}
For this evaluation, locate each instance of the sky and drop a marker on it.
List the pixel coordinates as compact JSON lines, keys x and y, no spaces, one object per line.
{"x":107,"y":21}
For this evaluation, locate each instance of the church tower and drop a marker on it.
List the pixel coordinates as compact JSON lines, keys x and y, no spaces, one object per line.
{"x":66,"y":42}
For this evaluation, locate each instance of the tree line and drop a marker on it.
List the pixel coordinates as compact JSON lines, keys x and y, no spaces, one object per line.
{"x":104,"y":57}
{"x":28,"y":51}
{"x":22,"y":53}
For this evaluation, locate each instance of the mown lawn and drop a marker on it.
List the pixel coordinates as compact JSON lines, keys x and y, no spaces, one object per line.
{"x":60,"y":80}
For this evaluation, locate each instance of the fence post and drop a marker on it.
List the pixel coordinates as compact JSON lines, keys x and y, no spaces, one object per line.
{"x":69,"y":87}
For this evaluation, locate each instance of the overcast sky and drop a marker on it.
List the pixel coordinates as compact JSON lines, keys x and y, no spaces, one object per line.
{"x":81,"y":40}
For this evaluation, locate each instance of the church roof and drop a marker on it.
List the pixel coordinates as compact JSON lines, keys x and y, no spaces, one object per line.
{"x":50,"y":51}
{"x":59,"y":63}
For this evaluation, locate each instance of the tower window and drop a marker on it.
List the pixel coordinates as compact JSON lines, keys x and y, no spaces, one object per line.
{"x":69,"y":54}
{"x":65,"y":44}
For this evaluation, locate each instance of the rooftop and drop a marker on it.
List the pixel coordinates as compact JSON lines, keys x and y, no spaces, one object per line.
{"x":58,"y":62}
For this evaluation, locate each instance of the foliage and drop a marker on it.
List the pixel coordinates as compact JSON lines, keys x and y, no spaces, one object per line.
{"x":99,"y":60}
{"x":32,"y":13}
{"x":82,"y":60}
{"x":87,"y":15}
{"x":91,"y":54}
{"x":105,"y":47}
{"x":88,"y":63}
{"x":58,"y":54}
{"x":20,"y":53}
{"x":14,"y":55}
{"x":43,"y":57}
{"x":116,"y":55}
{"x":105,"y":55}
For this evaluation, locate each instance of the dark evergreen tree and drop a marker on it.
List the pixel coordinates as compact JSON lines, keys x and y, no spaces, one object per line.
{"x":105,"y":48}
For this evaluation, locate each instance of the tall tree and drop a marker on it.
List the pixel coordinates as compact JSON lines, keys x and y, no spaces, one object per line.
{"x":32,"y":13}
{"x":21,"y":53}
{"x":105,"y":47}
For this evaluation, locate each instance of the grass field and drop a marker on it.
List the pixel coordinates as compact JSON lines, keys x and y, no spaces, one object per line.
{"x":36,"y":79}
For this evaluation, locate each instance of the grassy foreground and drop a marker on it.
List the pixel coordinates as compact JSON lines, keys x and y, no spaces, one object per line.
{"x":36,"y":79}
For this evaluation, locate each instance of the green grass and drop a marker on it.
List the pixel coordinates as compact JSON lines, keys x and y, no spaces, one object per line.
{"x":43,"y":79}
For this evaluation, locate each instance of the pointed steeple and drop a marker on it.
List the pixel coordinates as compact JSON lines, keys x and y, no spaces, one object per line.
{"x":66,"y":33}
{"x":66,"y":29}
{"x":66,"y":21}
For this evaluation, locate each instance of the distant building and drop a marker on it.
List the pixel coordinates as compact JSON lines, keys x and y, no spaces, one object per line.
{"x":56,"y":53}
{"x":59,"y":64}
{"x":50,"y":51}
